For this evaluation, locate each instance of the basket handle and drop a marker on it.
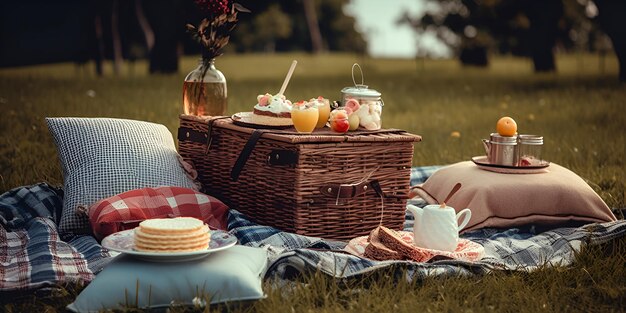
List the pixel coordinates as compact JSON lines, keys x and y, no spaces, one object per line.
{"x":245,"y":154}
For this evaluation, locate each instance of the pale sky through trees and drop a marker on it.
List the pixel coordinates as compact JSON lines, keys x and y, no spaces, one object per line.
{"x":376,"y":19}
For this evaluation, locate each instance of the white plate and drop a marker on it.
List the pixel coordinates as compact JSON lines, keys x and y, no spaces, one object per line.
{"x":123,"y":242}
{"x":249,"y":119}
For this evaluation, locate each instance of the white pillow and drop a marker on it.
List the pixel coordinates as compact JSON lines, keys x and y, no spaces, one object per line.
{"x":102,"y":157}
{"x":232,"y":275}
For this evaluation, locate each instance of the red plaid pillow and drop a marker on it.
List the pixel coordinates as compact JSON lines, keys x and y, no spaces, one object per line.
{"x":128,"y":209}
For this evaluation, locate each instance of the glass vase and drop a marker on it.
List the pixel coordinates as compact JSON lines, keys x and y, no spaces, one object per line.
{"x":204,"y":90}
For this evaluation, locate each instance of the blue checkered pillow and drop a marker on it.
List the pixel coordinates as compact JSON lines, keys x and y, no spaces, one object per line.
{"x":102,"y":157}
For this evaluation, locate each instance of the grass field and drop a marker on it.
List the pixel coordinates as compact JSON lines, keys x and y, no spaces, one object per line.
{"x":579,"y":111}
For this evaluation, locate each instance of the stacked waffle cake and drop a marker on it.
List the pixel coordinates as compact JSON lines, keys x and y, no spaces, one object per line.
{"x":171,"y":235}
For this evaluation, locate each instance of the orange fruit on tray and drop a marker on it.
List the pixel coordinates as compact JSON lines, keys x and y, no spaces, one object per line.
{"x":506,"y":126}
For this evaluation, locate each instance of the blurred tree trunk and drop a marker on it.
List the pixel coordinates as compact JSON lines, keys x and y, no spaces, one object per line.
{"x":612,"y":18}
{"x":163,"y":16}
{"x":145,"y":26}
{"x":115,"y":37}
{"x":474,"y":56}
{"x":99,"y":55}
{"x":544,"y":18}
{"x":313,"y":24}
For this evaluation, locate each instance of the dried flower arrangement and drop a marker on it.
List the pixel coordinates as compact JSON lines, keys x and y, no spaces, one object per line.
{"x":214,"y":30}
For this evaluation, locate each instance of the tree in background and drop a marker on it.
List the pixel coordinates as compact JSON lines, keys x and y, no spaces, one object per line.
{"x":472,"y":28}
{"x":522,"y":27}
{"x":543,"y":17}
{"x":271,"y":25}
{"x":612,"y":18}
{"x":313,"y":24}
{"x":81,"y":31}
{"x":336,"y":30}
{"x":339,"y":28}
{"x":166,"y":20}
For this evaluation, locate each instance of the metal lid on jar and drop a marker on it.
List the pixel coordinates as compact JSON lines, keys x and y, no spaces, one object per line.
{"x":503,"y":140}
{"x":530,"y":139}
{"x":359,"y":90}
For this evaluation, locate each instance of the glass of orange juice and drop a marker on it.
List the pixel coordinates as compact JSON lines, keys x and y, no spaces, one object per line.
{"x":323,"y":107}
{"x":304,"y":116}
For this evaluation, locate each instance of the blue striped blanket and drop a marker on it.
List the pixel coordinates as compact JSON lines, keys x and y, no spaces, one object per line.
{"x":33,"y":256}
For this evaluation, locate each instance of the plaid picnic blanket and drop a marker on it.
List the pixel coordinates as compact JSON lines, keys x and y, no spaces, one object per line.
{"x":516,"y":249}
{"x":33,"y":256}
{"x":32,"y":253}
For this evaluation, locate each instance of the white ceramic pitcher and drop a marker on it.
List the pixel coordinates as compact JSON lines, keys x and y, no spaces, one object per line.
{"x":436,"y":227}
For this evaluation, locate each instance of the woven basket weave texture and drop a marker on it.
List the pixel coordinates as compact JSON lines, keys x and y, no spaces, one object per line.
{"x":291,"y":196}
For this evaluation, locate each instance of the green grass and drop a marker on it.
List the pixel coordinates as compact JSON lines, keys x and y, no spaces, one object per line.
{"x":579,"y":111}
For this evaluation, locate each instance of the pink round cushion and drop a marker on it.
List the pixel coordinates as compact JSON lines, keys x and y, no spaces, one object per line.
{"x":504,"y":200}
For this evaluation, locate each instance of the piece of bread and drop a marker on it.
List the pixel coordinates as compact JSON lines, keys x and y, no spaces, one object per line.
{"x":392,"y":240}
{"x":181,"y":234}
{"x":376,"y":250}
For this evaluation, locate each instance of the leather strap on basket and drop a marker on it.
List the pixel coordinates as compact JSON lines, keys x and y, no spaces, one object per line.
{"x":245,"y":154}
{"x":188,"y":134}
{"x":344,"y":191}
{"x":282,"y":157}
{"x":288,"y":157}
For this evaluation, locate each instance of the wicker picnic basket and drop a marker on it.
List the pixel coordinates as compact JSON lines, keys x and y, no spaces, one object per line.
{"x":324,"y":184}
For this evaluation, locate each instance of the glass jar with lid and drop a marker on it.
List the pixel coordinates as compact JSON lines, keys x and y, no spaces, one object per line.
{"x":529,"y":150}
{"x":370,"y":101}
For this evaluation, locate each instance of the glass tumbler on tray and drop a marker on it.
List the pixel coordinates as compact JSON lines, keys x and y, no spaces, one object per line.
{"x":304,"y":117}
{"x":324,"y":112}
{"x":529,"y":150}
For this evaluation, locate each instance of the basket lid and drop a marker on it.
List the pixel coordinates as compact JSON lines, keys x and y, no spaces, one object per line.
{"x":324,"y":135}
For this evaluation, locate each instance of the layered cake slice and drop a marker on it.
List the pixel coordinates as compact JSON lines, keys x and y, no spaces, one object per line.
{"x":274,"y":106}
{"x":167,"y":235}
